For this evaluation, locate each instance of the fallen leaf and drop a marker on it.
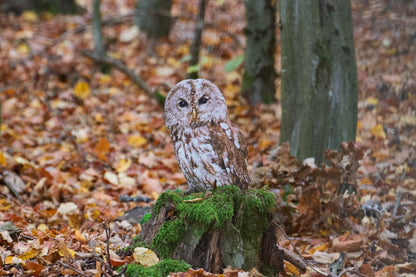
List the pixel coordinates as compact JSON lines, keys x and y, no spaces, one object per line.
{"x":145,"y":256}
{"x":111,"y":177}
{"x":81,"y":90}
{"x":349,"y":243}
{"x":378,"y":131}
{"x":35,"y":268}
{"x":30,"y":16}
{"x":29,"y":255}
{"x":68,"y":208}
{"x":123,"y":165}
{"x":102,"y":148}
{"x":291,"y":268}
{"x":136,"y":140}
{"x":2,"y":159}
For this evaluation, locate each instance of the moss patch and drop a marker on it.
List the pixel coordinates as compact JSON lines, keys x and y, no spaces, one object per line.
{"x":214,"y":210}
{"x":246,"y":211}
{"x":168,"y":237}
{"x":161,"y":269}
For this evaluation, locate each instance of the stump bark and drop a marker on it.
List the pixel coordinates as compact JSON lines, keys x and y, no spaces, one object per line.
{"x":216,"y":229}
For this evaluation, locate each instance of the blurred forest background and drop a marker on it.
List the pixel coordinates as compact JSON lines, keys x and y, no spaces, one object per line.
{"x":81,"y":90}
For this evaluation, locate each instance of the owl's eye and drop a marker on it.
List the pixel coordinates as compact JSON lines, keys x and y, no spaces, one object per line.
{"x":183,"y":104}
{"x":203,"y":100}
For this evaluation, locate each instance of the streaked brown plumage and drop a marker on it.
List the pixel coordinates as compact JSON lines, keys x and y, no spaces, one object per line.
{"x":210,"y":150}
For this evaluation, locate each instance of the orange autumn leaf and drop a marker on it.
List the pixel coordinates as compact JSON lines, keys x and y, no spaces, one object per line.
{"x":35,"y":268}
{"x":102,"y":148}
{"x":378,"y":131}
{"x":29,"y":254}
{"x":136,"y":140}
{"x":78,"y":236}
{"x":66,"y":252}
{"x":117,"y":262}
{"x":2,"y":159}
{"x":291,"y":268}
{"x":123,"y":165}
{"x":81,"y":90}
{"x":319,"y":248}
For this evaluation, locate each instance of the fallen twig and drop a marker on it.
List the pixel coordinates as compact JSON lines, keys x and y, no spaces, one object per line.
{"x":293,"y":258}
{"x":108,"y":235}
{"x":120,"y":66}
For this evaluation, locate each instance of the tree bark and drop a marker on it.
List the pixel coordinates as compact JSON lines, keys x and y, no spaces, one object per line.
{"x":259,"y":73}
{"x":96,"y":28}
{"x":319,"y":77}
{"x":153,"y":17}
{"x":196,"y":44}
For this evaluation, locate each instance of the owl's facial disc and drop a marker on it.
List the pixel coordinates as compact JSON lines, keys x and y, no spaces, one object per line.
{"x":195,"y":103}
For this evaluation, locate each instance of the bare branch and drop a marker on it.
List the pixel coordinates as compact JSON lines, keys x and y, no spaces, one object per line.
{"x":120,"y":66}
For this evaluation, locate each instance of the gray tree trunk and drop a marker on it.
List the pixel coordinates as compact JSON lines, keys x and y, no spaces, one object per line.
{"x":259,"y":73}
{"x":96,"y":28}
{"x":153,"y":17}
{"x":196,"y":43}
{"x":319,"y":77}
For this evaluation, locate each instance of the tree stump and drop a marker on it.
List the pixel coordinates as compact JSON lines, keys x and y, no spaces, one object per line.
{"x":216,"y":229}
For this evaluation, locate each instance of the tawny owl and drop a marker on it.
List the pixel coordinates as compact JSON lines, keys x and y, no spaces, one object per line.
{"x":210,"y":150}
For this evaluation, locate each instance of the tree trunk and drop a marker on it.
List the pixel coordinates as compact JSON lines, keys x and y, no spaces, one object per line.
{"x":319,"y":77}
{"x":98,"y":34}
{"x":53,"y":6}
{"x":96,"y":28}
{"x":193,"y":67}
{"x":259,"y":73}
{"x":153,"y":17}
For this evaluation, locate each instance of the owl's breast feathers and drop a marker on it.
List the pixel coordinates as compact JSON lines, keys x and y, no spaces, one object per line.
{"x":215,"y":153}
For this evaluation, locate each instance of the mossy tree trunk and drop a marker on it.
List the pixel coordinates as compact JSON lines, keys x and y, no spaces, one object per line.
{"x":259,"y":72}
{"x":319,"y":77}
{"x":220,"y":228}
{"x":153,"y":17}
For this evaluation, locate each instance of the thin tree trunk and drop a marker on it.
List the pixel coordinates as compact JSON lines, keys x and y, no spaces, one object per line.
{"x":196,"y":44}
{"x":319,"y":78}
{"x":96,"y":27}
{"x":259,"y":73}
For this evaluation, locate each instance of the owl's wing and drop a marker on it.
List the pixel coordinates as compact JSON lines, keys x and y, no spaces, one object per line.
{"x":230,"y":148}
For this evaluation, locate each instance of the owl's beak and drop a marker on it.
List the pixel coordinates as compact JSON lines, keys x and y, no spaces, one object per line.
{"x":194,"y":113}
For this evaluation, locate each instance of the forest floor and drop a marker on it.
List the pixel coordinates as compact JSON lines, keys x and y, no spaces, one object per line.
{"x":74,"y":139}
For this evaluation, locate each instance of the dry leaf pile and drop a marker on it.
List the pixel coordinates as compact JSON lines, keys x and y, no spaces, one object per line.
{"x":74,"y":139}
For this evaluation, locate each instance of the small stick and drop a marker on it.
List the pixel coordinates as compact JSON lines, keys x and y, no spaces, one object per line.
{"x":108,"y":234}
{"x":294,"y":259}
{"x":120,"y":66}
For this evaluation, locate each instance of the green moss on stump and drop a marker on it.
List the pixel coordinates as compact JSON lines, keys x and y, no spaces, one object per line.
{"x":242,"y":217}
{"x":169,"y":235}
{"x":161,"y":269}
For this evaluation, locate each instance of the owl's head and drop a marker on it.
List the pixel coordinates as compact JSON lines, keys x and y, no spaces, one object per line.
{"x":193,"y":103}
